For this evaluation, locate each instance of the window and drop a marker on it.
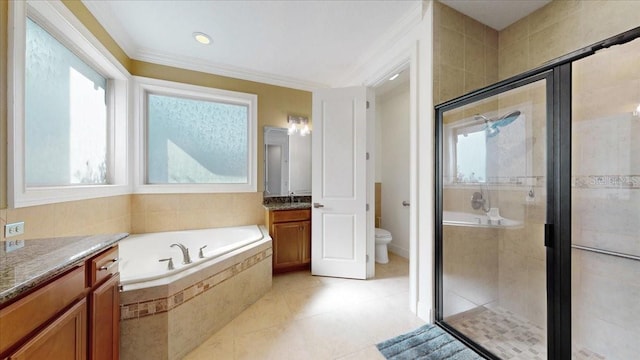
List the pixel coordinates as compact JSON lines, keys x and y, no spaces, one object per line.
{"x":471,"y":152}
{"x":65,"y":115}
{"x":195,"y":139}
{"x":68,"y":113}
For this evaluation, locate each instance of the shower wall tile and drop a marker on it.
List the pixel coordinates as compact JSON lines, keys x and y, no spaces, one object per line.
{"x":561,"y":27}
{"x":462,"y":49}
{"x":470,"y":268}
{"x":606,"y":313}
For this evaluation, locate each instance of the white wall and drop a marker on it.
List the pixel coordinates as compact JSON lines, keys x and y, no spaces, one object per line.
{"x":393,"y":110}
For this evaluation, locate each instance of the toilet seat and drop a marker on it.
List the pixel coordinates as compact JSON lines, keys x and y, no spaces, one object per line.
{"x":382,"y":235}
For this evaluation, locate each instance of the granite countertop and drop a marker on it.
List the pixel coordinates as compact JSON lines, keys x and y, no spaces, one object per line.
{"x":43,"y":259}
{"x":287,"y":206}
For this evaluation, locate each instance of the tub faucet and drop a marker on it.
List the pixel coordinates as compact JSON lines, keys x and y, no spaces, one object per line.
{"x":186,"y":259}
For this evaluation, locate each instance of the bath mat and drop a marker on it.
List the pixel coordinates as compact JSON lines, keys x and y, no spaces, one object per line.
{"x":427,"y":342}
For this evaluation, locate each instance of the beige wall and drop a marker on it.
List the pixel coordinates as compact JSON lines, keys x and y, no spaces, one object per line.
{"x":465,"y":54}
{"x":151,"y":212}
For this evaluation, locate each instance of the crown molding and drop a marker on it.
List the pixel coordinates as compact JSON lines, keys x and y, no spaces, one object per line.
{"x":109,"y":21}
{"x":102,"y":12}
{"x":201,"y":65}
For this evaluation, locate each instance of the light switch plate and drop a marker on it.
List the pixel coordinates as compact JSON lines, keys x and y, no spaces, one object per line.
{"x":14,"y":229}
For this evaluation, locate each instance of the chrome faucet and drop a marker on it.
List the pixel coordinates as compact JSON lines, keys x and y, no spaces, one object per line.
{"x":291,"y":196}
{"x":186,"y":259}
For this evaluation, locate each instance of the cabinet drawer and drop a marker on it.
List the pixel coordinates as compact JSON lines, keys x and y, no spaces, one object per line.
{"x":103,"y":266}
{"x":291,"y":215}
{"x":27,"y":314}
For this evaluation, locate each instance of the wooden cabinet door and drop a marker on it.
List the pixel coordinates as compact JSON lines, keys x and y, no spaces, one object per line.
{"x":104,"y":324}
{"x":64,"y":339}
{"x":287,"y":247}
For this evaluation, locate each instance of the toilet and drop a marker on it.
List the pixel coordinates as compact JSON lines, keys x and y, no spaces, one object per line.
{"x":383,"y":237}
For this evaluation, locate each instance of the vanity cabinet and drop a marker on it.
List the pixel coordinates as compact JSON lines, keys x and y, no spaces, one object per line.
{"x":290,"y":231}
{"x":104,"y":302}
{"x":75,"y":316}
{"x":64,"y":338}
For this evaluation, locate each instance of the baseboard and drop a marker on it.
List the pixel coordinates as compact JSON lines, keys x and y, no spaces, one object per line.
{"x":398,"y":251}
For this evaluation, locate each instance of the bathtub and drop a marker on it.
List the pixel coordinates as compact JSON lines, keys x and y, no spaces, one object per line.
{"x":140,"y":254}
{"x":455,"y":218}
{"x":164,"y":314}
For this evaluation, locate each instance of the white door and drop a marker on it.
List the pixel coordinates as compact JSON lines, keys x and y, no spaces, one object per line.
{"x":339,"y":185}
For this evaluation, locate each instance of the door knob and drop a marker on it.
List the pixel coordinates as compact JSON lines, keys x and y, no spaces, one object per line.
{"x":317,"y":205}
{"x":405,"y":203}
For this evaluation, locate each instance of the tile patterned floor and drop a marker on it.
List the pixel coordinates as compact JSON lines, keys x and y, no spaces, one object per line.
{"x":509,"y":336}
{"x":307,"y":317}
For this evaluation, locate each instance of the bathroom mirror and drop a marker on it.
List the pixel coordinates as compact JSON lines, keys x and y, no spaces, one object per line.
{"x":287,"y":163}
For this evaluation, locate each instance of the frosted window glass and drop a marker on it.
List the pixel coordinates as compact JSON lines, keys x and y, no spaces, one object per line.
{"x":196,"y":141}
{"x":65,"y":115}
{"x":471,"y":157}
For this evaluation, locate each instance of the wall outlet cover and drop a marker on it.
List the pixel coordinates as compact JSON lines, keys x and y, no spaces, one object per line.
{"x":14,"y":229}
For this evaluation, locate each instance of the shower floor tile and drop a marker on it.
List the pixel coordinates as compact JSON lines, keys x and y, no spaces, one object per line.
{"x":509,"y":336}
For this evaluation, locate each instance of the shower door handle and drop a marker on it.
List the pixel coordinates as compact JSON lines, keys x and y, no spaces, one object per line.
{"x":548,"y":235}
{"x":405,"y":203}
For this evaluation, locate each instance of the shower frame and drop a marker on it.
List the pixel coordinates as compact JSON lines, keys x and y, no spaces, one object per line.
{"x":557,"y":235}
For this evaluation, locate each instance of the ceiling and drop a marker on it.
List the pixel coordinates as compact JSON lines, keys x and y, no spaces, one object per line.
{"x":302,"y":44}
{"x":497,"y":14}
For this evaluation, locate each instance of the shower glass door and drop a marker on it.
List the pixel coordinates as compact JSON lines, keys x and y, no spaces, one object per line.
{"x":605,"y":204}
{"x":492,"y":258}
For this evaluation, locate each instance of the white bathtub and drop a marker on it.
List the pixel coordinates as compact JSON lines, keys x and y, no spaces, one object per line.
{"x":140,"y":254}
{"x":190,"y":303}
{"x":455,"y":218}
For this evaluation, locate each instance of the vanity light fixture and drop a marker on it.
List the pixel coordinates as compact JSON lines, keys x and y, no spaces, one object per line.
{"x":298,"y":124}
{"x":202,"y":38}
{"x":394,"y":77}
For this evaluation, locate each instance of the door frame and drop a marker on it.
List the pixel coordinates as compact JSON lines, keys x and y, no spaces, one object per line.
{"x":558,"y":227}
{"x":408,"y":61}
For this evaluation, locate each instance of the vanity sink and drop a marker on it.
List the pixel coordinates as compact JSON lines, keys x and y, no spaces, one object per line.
{"x":455,"y":218}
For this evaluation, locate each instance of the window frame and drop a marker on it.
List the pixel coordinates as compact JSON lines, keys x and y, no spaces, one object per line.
{"x":54,"y":17}
{"x":143,"y":86}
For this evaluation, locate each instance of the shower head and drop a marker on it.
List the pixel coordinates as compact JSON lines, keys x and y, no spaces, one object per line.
{"x":493,"y":125}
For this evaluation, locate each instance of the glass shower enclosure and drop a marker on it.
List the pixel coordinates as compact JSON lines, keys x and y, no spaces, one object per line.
{"x":494,"y":209}
{"x":538,"y":209}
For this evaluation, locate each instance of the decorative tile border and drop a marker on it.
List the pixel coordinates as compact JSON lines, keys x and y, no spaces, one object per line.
{"x":161,"y":305}
{"x":501,"y":180}
{"x":606,"y":182}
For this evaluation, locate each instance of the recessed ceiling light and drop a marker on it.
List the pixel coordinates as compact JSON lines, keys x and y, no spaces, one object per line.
{"x":202,"y":38}
{"x":394,"y":76}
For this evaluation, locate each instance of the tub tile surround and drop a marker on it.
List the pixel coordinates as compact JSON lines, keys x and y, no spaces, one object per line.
{"x":166,"y":322}
{"x":169,"y":212}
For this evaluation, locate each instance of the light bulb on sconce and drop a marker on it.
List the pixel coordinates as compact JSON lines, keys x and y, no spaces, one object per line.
{"x":298,"y":124}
